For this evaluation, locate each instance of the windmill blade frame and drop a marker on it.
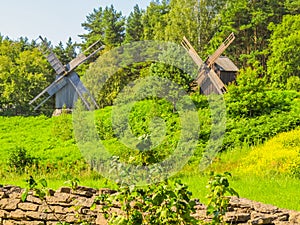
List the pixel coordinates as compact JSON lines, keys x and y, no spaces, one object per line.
{"x":205,"y":71}
{"x":81,"y":91}
{"x":51,"y":90}
{"x":225,"y":44}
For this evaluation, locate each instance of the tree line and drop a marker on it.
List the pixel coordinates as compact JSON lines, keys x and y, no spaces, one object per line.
{"x":267,"y":44}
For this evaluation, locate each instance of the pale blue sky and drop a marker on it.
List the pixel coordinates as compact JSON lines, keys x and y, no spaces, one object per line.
{"x":55,"y":19}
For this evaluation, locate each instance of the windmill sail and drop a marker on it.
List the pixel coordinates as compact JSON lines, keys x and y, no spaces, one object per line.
{"x":220,"y":50}
{"x":82,"y":92}
{"x":81,"y":58}
{"x":50,"y":90}
{"x":207,"y":78}
{"x":192,"y":52}
{"x":55,"y":63}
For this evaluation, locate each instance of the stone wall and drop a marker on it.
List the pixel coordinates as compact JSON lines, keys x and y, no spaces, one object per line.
{"x":244,"y":211}
{"x":67,"y":205}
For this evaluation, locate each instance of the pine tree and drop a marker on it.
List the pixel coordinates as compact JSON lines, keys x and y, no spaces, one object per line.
{"x":249,"y":21}
{"x":114,"y":27}
{"x":94,"y":27}
{"x":66,"y":54}
{"x":106,"y":25}
{"x":134,"y":25}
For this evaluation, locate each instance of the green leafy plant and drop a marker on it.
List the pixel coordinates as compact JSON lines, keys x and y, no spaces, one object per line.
{"x":39,"y":188}
{"x":62,"y":127}
{"x":73,"y":183}
{"x":19,"y":160}
{"x":218,"y":186}
{"x":161,"y":203}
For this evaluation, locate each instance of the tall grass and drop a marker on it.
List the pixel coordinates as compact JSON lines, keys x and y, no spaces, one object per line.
{"x":280,"y":191}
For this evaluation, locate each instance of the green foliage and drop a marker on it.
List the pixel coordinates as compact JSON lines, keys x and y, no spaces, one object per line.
{"x":162,"y":203}
{"x":73,"y":183}
{"x":107,"y":24}
{"x":149,"y":120}
{"x":62,"y":127}
{"x":182,"y":20}
{"x":250,"y":98}
{"x":39,"y":188}
{"x":197,"y":20}
{"x":179,"y":71}
{"x":259,"y":129}
{"x":20,"y":160}
{"x":154,"y":20}
{"x":67,"y":53}
{"x":293,"y":83}
{"x":23,"y":74}
{"x":218,"y":186}
{"x":249,"y":21}
{"x":293,"y":6}
{"x":162,"y":134}
{"x":283,"y":62}
{"x":134,"y":25}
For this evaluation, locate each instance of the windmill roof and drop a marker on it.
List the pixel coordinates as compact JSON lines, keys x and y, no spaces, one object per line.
{"x":225,"y":64}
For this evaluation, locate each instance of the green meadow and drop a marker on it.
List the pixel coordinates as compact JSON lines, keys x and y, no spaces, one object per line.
{"x":261,"y":152}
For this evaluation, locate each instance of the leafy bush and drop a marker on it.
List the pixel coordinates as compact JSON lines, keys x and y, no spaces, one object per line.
{"x":250,"y":98}
{"x":159,"y":204}
{"x":39,"y":188}
{"x":149,"y":134}
{"x":62,"y":127}
{"x":293,"y":83}
{"x":218,"y":186}
{"x":257,"y":130}
{"x":19,"y":160}
{"x":199,"y":100}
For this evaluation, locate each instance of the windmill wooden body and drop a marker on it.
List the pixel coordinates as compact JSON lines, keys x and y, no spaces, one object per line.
{"x":67,"y":86}
{"x":208,"y":80}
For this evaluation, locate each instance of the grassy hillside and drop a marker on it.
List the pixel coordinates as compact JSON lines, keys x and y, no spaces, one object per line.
{"x":263,"y":168}
{"x":268,"y":172}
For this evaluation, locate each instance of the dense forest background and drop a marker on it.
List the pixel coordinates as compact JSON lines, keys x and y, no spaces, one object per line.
{"x":266,"y":49}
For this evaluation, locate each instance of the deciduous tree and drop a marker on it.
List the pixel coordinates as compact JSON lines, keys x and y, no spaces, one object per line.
{"x":284,"y":59}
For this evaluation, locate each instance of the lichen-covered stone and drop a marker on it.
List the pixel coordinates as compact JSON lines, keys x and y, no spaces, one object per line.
{"x":28,"y":206}
{"x":233,"y":217}
{"x":9,"y":204}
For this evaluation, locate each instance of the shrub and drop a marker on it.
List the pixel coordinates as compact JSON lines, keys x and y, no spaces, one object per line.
{"x":218,"y":186}
{"x":293,"y":83}
{"x":250,"y":98}
{"x":19,"y":160}
{"x":62,"y":127}
{"x":158,"y":204}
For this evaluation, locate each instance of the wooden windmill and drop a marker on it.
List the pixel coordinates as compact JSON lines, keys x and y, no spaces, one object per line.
{"x":207,"y":79}
{"x":67,"y":86}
